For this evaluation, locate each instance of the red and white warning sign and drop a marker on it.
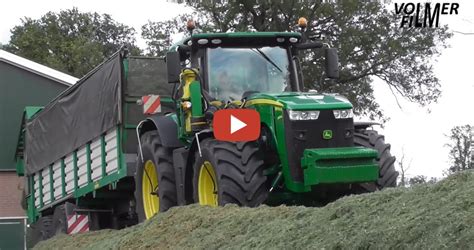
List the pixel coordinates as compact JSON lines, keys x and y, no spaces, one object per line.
{"x":77,"y":223}
{"x":151,"y":104}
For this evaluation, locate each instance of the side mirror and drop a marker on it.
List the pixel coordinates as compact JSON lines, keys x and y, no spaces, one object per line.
{"x":173,"y":66}
{"x":184,"y":51}
{"x":332,"y":63}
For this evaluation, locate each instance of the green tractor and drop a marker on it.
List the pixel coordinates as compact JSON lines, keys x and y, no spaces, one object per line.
{"x":309,"y":150}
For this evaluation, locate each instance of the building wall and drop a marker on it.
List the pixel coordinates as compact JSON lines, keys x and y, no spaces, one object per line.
{"x":19,"y":88}
{"x":10,"y":195}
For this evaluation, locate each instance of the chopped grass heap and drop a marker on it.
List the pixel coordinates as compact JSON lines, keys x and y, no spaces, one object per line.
{"x":421,"y":217}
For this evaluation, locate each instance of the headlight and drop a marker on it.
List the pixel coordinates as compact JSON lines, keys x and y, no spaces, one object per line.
{"x":343,"y":113}
{"x":303,"y":115}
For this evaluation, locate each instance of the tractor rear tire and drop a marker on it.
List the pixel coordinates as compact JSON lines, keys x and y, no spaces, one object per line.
{"x":236,"y":170}
{"x":160,"y":159}
{"x":387,"y":173}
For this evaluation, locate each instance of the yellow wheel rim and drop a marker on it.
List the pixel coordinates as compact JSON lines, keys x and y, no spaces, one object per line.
{"x":207,"y":185}
{"x":151,"y":202}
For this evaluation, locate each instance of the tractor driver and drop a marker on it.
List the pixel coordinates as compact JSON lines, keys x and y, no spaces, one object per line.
{"x":227,"y":89}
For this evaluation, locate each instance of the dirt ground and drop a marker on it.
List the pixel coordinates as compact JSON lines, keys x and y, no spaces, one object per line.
{"x":425,"y":216}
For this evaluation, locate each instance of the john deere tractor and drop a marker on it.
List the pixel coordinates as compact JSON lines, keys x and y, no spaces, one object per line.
{"x":309,"y":150}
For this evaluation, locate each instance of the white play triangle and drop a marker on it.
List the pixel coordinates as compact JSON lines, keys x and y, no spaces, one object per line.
{"x":236,"y":124}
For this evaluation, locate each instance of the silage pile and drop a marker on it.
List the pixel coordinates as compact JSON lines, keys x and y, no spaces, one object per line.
{"x":426,"y":216}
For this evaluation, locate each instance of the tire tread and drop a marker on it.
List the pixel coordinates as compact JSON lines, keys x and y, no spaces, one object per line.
{"x":163,"y":159}
{"x":239,"y":172}
{"x":371,"y":139}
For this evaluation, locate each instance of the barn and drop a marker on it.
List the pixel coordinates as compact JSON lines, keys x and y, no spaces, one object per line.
{"x":22,"y":83}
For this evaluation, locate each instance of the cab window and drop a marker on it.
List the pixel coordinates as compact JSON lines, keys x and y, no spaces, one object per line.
{"x":234,"y":71}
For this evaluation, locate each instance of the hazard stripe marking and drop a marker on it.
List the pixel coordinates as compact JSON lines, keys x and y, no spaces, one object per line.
{"x":148,"y":102}
{"x":151,"y":104}
{"x":77,"y":223}
{"x":155,"y":106}
{"x":82,"y":223}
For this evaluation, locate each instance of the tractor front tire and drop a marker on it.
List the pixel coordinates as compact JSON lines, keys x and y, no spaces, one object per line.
{"x":155,"y":189}
{"x":386,"y":162}
{"x":229,"y":173}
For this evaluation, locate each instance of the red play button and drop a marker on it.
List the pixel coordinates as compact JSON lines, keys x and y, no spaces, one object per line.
{"x":236,"y":125}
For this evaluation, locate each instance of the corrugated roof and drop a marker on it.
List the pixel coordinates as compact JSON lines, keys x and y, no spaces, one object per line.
{"x":37,"y":68}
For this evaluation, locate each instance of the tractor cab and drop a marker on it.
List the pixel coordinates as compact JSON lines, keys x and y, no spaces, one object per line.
{"x":232,"y":66}
{"x":235,"y":65}
{"x":260,"y":69}
{"x":239,"y":64}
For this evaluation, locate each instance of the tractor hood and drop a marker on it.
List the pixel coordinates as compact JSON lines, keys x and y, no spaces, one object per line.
{"x":306,"y":100}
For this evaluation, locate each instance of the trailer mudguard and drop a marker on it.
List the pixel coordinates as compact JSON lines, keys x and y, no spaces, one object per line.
{"x":166,"y":127}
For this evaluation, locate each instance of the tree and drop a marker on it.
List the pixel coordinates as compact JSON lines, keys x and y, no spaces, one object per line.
{"x":403,"y":166}
{"x":157,"y":35}
{"x":421,"y":179}
{"x":460,"y":149}
{"x":366,"y":33}
{"x":70,"y":41}
{"x":405,"y":180}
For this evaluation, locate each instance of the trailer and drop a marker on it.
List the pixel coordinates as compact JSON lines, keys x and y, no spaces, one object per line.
{"x":78,"y":153}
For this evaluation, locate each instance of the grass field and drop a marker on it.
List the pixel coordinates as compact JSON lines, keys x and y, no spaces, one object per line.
{"x":433,"y":216}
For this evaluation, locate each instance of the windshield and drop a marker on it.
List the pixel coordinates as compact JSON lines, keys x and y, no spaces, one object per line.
{"x":235,"y":71}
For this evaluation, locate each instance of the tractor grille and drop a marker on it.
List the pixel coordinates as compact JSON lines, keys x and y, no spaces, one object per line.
{"x":301,"y":135}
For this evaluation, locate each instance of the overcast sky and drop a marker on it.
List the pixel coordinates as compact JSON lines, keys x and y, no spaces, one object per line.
{"x":415,"y":130}
{"x":421,"y":133}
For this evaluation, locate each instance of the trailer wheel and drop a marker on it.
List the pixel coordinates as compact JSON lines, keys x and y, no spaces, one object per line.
{"x":229,"y":172}
{"x":32,"y":235}
{"x":45,"y":226}
{"x":387,"y":173}
{"x":155,"y":189}
{"x":60,"y":220}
